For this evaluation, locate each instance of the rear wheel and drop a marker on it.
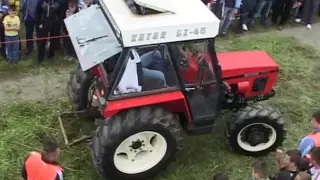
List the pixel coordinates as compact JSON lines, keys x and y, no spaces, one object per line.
{"x":136,"y":144}
{"x":80,"y":89}
{"x":255,"y":130}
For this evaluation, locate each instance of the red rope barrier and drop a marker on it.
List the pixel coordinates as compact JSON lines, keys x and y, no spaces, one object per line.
{"x":35,"y":39}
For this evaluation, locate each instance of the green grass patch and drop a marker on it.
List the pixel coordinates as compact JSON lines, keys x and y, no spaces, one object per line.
{"x":24,"y":125}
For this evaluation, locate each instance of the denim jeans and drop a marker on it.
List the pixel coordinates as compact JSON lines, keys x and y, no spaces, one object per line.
{"x":261,"y":9}
{"x":152,"y":68}
{"x":12,"y":48}
{"x":226,"y":19}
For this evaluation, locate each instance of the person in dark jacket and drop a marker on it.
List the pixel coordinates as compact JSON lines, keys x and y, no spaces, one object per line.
{"x":29,"y":19}
{"x":281,"y":10}
{"x":3,"y":13}
{"x":246,"y":7}
{"x":69,"y":50}
{"x":231,"y":8}
{"x":48,"y":22}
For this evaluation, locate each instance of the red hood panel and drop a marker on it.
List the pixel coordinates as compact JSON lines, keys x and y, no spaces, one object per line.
{"x":243,"y":62}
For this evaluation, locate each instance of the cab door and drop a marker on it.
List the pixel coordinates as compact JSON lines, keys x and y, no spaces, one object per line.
{"x":200,"y":85}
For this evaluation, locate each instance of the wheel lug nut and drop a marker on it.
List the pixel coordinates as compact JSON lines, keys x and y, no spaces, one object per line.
{"x":130,"y":149}
{"x":140,"y":149}
{"x":150,"y":150}
{"x":135,"y":151}
{"x":132,"y":160}
{"x":143,"y":145}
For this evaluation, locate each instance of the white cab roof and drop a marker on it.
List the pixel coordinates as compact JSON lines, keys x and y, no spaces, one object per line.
{"x":180,"y":20}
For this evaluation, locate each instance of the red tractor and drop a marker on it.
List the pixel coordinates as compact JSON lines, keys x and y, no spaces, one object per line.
{"x":197,"y":88}
{"x":148,"y":95}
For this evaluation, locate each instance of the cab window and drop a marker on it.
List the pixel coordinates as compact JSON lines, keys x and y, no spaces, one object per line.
{"x":194,"y":62}
{"x":147,"y":69}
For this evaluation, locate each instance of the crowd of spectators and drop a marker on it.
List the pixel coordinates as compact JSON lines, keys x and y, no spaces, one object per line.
{"x":45,"y":19}
{"x":276,"y":12}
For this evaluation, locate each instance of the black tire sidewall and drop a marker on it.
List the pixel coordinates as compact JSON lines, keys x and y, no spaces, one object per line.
{"x":108,"y":159}
{"x":79,"y":85}
{"x":84,"y":92}
{"x":233,"y":135}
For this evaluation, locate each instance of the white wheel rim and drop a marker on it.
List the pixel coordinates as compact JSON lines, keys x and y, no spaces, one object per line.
{"x":262,"y":146}
{"x":132,"y":160}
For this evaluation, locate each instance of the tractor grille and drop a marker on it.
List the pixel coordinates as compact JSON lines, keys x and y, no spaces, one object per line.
{"x":259,"y":84}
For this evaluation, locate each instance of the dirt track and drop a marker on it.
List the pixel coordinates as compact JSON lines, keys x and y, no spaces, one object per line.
{"x":50,"y":85}
{"x":43,"y":87}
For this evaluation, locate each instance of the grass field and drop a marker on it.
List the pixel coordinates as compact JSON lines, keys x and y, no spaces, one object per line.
{"x":22,"y":124}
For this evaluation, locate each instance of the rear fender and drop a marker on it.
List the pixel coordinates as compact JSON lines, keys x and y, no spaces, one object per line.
{"x":172,"y":101}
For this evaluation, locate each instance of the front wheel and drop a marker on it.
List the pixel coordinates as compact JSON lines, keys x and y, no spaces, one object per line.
{"x":136,"y":144}
{"x":255,"y":130}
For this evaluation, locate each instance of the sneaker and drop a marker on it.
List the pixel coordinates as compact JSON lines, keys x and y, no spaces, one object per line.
{"x":244,"y":27}
{"x":66,"y":58}
{"x":309,"y":26}
{"x":298,"y":20}
{"x":280,"y":28}
{"x":70,"y":58}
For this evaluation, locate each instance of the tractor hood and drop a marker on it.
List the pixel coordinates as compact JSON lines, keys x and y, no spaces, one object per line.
{"x":235,"y":64}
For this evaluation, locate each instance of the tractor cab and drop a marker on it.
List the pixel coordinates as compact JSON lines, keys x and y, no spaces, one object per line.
{"x":162,"y":49}
{"x":150,"y":70}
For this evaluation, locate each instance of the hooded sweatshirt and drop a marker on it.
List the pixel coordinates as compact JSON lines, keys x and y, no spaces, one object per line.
{"x":48,"y":12}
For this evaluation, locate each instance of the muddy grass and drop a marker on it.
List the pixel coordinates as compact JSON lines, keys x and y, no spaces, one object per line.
{"x":26,"y":83}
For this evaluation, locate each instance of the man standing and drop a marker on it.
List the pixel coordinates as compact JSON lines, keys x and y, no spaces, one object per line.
{"x":261,"y":9}
{"x":29,"y":18}
{"x":231,"y":8}
{"x":48,"y":22}
{"x":281,"y":10}
{"x":44,"y":166}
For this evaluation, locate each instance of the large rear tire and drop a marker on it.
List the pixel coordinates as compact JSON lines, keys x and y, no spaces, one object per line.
{"x":136,"y":144}
{"x":79,"y":87}
{"x":255,"y":130}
